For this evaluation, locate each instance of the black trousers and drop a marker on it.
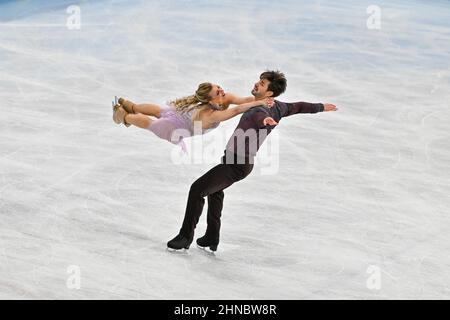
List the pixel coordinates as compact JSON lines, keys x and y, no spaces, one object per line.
{"x":211,"y":185}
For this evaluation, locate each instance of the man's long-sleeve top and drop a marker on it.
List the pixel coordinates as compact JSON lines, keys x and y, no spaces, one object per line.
{"x":251,"y":132}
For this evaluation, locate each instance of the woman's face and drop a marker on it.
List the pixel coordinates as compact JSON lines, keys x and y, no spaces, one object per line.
{"x":216,"y":93}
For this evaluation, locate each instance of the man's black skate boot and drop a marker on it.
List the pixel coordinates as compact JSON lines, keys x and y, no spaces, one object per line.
{"x":210,"y":242}
{"x":179,"y":242}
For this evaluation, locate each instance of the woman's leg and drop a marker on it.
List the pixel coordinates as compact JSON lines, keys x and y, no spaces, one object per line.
{"x":138,"y":120}
{"x":163,"y":128}
{"x":148,"y":109}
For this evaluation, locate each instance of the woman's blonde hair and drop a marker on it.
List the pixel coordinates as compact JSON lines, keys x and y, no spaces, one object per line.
{"x":199,"y":99}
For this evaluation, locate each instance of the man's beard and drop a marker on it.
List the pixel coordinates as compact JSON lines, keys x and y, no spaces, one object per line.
{"x":256,"y":95}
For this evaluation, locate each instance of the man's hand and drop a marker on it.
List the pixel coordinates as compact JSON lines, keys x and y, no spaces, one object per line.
{"x":269,"y":122}
{"x":329,"y":107}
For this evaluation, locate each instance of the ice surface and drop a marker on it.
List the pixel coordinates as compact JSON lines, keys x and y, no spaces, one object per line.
{"x":364,"y":186}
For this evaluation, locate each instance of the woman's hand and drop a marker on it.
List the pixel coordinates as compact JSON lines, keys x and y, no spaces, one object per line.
{"x":268,"y":102}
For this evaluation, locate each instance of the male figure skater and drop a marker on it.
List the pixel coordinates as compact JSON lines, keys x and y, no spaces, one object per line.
{"x":237,"y":162}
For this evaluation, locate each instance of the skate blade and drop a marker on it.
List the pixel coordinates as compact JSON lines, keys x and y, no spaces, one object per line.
{"x":115,"y":106}
{"x":207,"y":250}
{"x":117,"y":121}
{"x":177,"y":251}
{"x":115,"y":103}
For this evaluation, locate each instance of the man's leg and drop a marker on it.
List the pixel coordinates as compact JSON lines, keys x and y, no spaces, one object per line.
{"x":215,"y":205}
{"x":213,"y":181}
{"x":212,"y":235}
{"x":216,"y":179}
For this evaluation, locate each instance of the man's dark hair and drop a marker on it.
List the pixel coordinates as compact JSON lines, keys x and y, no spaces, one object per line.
{"x":278,"y":82}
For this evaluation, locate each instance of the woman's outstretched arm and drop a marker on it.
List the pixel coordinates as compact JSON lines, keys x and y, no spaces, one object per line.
{"x":234,"y":99}
{"x":222,"y":115}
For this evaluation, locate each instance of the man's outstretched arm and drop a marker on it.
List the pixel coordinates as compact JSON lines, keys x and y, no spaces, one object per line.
{"x":306,"y":107}
{"x":301,"y":107}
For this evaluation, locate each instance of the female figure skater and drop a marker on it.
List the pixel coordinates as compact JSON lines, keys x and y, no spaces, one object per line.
{"x":209,"y":105}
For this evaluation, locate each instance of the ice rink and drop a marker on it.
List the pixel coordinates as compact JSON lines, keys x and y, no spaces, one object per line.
{"x":356,"y":208}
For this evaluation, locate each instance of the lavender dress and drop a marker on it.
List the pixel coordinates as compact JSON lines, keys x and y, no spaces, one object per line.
{"x":173,"y":126}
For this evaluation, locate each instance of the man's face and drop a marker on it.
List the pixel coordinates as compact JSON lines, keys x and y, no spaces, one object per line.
{"x":260,"y":90}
